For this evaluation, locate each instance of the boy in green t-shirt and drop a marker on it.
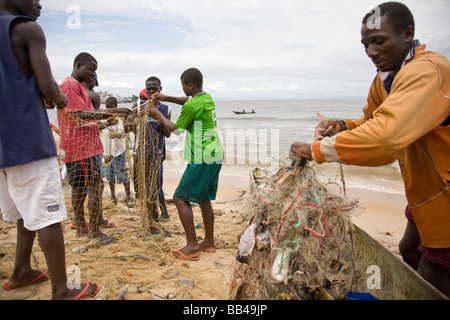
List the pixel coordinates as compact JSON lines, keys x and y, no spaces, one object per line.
{"x":204,"y":152}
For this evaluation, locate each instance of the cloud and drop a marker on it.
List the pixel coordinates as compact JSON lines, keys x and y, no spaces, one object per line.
{"x":245,"y":49}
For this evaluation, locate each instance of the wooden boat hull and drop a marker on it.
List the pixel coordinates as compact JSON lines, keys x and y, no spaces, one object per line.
{"x":398,"y":281}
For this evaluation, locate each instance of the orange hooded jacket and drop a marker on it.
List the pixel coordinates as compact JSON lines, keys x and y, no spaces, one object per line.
{"x":411,"y":125}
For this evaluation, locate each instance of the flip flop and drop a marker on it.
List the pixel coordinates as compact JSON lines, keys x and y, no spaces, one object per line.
{"x":182,"y":256}
{"x":41,"y":278}
{"x":107,"y":240}
{"x":74,"y":226}
{"x":107,"y":224}
{"x":82,"y":295}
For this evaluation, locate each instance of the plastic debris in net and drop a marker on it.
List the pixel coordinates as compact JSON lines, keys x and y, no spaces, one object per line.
{"x":298,"y":244}
{"x":251,"y":238}
{"x":247,"y":243}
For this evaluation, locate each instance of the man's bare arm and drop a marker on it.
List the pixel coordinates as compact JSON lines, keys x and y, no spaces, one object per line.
{"x":164,"y":130}
{"x":29,"y":45}
{"x":162,"y":97}
{"x":102,"y":114}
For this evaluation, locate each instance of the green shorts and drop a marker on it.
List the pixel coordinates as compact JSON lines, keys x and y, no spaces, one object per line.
{"x":199,"y":183}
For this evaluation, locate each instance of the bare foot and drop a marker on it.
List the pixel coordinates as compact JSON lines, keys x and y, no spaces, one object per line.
{"x":207,"y":247}
{"x":82,"y":232}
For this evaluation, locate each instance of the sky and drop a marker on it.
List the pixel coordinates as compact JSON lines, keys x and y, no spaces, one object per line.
{"x":246,"y":50}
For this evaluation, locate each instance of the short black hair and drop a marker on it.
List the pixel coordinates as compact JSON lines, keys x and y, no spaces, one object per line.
{"x":153,"y":79}
{"x":111,"y":100}
{"x":84,"y":58}
{"x":399,"y":15}
{"x":192,"y":75}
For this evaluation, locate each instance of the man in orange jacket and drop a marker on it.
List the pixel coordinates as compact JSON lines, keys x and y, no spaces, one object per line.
{"x":407,"y":118}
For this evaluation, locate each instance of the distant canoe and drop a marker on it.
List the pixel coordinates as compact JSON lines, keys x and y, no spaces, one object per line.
{"x":244,"y":112}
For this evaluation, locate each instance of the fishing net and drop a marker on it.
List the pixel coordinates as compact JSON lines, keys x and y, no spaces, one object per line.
{"x":147,"y":169}
{"x":298,"y":243}
{"x":78,"y":137}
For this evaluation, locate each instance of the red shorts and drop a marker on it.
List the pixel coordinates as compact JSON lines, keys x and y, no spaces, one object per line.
{"x":440,"y":256}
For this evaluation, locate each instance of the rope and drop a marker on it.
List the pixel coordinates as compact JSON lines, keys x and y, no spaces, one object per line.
{"x":323,"y":216}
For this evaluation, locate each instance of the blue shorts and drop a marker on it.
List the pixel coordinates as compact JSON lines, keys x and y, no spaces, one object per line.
{"x":199,"y":183}
{"x":116,"y":170}
{"x":161,"y":192}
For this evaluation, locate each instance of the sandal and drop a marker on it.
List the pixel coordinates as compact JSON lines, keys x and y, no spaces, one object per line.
{"x":40,"y":278}
{"x":107,"y":240}
{"x":182,"y":256}
{"x":74,"y":225}
{"x":107,"y":224}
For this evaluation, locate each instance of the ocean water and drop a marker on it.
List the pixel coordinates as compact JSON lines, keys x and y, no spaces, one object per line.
{"x":263,"y":139}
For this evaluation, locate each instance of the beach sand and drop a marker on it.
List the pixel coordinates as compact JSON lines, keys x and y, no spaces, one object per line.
{"x":137,"y":267}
